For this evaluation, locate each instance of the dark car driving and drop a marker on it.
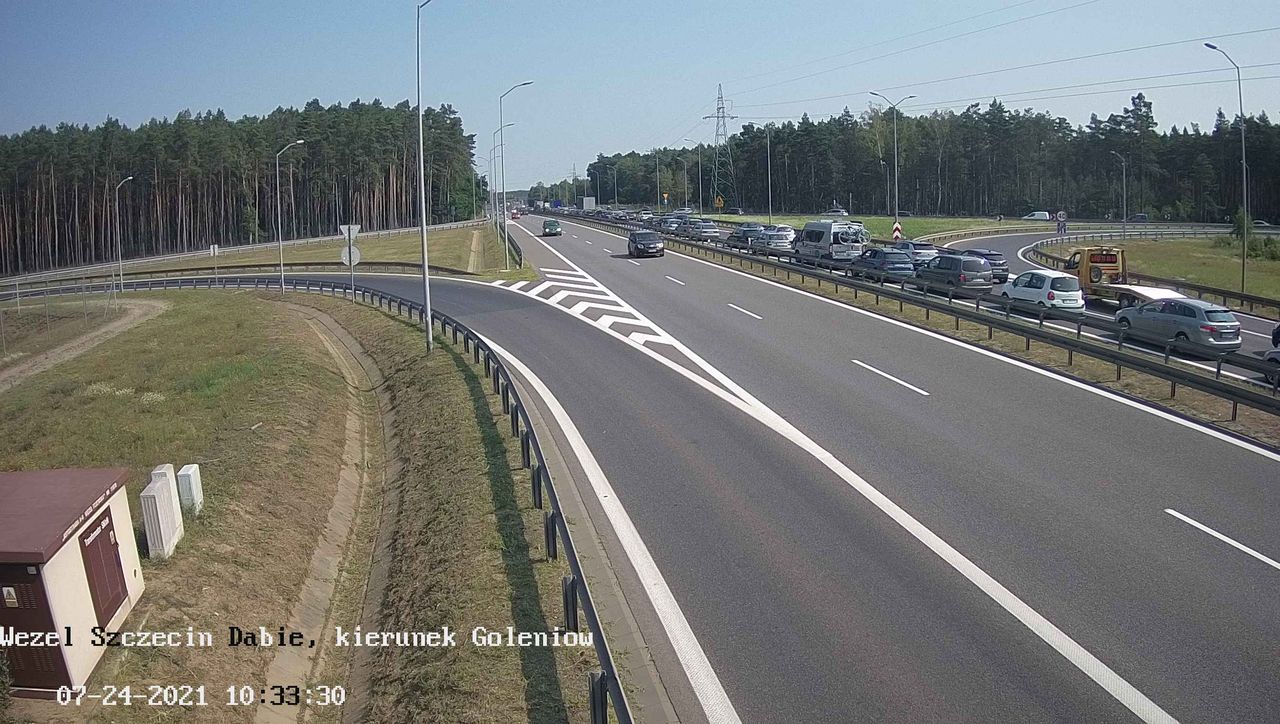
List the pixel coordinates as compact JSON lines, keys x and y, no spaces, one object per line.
{"x":999,"y":264}
{"x":877,"y":261}
{"x":645,"y":243}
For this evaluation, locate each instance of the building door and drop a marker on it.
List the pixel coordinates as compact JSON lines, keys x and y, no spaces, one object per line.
{"x":101,"y":557}
{"x":24,"y":607}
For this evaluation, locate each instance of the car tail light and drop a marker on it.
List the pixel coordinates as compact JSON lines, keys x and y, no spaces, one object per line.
{"x":1209,"y":328}
{"x":963,"y":279}
{"x":1051,"y":296}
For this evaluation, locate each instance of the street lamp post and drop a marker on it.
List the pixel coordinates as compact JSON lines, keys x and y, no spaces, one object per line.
{"x":119,"y":245}
{"x":690,"y":140}
{"x":1244,"y":167}
{"x":495,"y":154}
{"x":422,"y":182}
{"x":894,"y":106}
{"x":1124,"y":195}
{"x":279,"y":214}
{"x":657,"y":175}
{"x":503,"y":138}
{"x":685,"y":161}
{"x":614,"y":170}
{"x":768,"y":155}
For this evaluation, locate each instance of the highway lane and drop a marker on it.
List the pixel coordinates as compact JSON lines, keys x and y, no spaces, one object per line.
{"x":1082,"y":534}
{"x":810,"y":604}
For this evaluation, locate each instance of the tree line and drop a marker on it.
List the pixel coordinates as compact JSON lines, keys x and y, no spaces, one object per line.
{"x":979,"y":162}
{"x":204,"y":179}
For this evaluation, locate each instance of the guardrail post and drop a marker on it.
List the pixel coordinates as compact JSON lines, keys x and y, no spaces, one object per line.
{"x":525,"y":450}
{"x":598,"y":695}
{"x":1235,"y":409}
{"x":497,"y":377}
{"x":515,"y":420}
{"x":1173,"y":389}
{"x":506,"y":399}
{"x":569,"y":596}
{"x":957,"y":323}
{"x":536,"y":482}
{"x":488,"y":369}
{"x":549,"y":534}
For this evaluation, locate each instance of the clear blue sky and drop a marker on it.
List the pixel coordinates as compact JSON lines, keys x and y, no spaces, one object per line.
{"x":611,"y":76}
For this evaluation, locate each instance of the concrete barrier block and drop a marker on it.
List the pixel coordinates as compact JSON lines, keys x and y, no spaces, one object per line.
{"x":190,"y":489}
{"x":161,"y":513}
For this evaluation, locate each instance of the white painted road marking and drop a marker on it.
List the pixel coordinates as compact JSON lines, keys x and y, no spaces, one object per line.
{"x":890,"y":377}
{"x":633,"y":261}
{"x":677,"y":281}
{"x":1223,"y":538}
{"x":576,"y":236}
{"x":589,"y":241}
{"x":749,"y":314}
{"x":706,"y":685}
{"x":607,"y":251}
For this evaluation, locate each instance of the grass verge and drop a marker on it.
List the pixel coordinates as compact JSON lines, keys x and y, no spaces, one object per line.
{"x":467,"y":549}
{"x":243,"y":388}
{"x":40,"y":325}
{"x":1206,"y":408}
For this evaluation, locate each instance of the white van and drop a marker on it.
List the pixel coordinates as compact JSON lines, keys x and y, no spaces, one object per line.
{"x":1037,"y":216}
{"x":830,"y":240}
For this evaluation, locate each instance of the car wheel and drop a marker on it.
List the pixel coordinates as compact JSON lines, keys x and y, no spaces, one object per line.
{"x":1040,"y":303}
{"x":1125,"y":324}
{"x":1004,"y":294}
{"x":1181,"y":337}
{"x":662,"y":253}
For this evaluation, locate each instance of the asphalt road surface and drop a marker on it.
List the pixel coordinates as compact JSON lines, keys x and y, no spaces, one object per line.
{"x":812,"y":600}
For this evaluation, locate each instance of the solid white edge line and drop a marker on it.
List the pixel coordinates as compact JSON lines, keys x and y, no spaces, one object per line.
{"x":677,"y":281}
{"x":746,"y":312}
{"x":1269,"y":561}
{"x":706,"y":685}
{"x":1068,"y":648}
{"x":890,"y":377}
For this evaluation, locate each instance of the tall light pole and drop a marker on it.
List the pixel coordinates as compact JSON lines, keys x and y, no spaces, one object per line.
{"x":502,"y":137}
{"x":657,"y":175}
{"x":613,"y":170}
{"x":1244,"y":167}
{"x":685,"y":161}
{"x":699,"y":145}
{"x":894,"y":106}
{"x":499,"y":152}
{"x":279,"y":214}
{"x":422,"y":182}
{"x":768,"y":154}
{"x":1124,"y":195}
{"x":119,"y":245}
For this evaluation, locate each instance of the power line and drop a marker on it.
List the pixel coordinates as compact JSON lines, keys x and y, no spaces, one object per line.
{"x":883,"y":42}
{"x":996,"y":71}
{"x":922,"y":45}
{"x":1130,"y":89}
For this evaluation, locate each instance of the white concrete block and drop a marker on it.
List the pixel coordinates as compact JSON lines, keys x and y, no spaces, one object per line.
{"x":161,"y":513}
{"x":190,"y":491}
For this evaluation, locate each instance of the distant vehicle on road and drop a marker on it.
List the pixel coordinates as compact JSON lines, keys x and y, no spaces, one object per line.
{"x":999,"y":264}
{"x":551,"y":227}
{"x":1196,"y":321}
{"x":771,"y":242}
{"x":683,"y":210}
{"x":645,"y":243}
{"x":1103,"y":273}
{"x":741,"y":236}
{"x":782,"y":228}
{"x":515,"y":213}
{"x":884,"y":261}
{"x":922,"y":252}
{"x":970,"y":273}
{"x":703,"y":229}
{"x":670,"y":225}
{"x":835,"y":211}
{"x":1046,"y":288}
{"x":1260,"y":222}
{"x":1037,"y":216}
{"x":1139,"y":219}
{"x":832,"y":241}
{"x":734,"y":211}
{"x":644,"y":215}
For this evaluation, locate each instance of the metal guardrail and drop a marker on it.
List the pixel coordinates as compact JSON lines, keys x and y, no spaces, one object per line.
{"x":1242,"y":300}
{"x":971,"y":310}
{"x":604,"y":687}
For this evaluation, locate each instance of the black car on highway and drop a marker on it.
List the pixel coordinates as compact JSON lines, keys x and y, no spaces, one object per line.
{"x":742,"y":235}
{"x":645,"y":243}
{"x":877,"y":261}
{"x":970,"y":273}
{"x":999,"y":264}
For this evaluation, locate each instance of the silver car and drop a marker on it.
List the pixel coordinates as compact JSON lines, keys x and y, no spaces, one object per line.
{"x":704,"y":229}
{"x":1196,"y":321}
{"x":770,"y":242}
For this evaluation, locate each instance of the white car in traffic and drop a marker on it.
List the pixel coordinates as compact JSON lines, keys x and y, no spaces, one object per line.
{"x":1046,"y":288}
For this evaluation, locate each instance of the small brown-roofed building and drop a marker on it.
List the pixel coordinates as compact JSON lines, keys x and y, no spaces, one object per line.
{"x":68,"y":563}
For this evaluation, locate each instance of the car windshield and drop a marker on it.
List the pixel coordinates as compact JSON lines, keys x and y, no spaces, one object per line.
{"x":976,"y":265}
{"x":1219,"y":315}
{"x":896,"y":256}
{"x":644,"y":236}
{"x":994,"y":256}
{"x":1065,"y":284}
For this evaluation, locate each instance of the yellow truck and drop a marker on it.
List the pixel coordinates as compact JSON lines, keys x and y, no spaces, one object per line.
{"x":1103,"y":274}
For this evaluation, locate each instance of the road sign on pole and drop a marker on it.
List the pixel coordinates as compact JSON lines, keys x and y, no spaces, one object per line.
{"x":897,"y":231}
{"x":719,"y":202}
{"x":350,"y":254}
